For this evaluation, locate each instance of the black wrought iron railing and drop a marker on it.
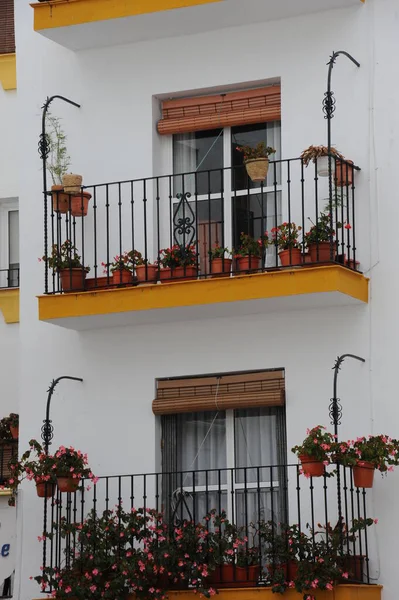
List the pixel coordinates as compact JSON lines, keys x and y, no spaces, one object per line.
{"x":9,"y":278}
{"x":196,"y":212}
{"x":281,"y":517}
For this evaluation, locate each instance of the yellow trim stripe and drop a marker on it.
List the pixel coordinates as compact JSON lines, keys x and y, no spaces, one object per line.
{"x":8,"y":71}
{"x":9,"y":305}
{"x":62,"y":13}
{"x":275,"y":284}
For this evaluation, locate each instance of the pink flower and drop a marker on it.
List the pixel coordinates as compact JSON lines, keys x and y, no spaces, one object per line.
{"x":376,"y":521}
{"x":345,"y":575}
{"x":329,"y":586}
{"x":93,"y":588}
{"x":95,"y":571}
{"x":68,"y":590}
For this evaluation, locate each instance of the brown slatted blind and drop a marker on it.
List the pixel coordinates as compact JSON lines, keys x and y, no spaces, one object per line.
{"x":7,"y":38}
{"x":245,"y":390}
{"x":210,"y":112}
{"x":7,"y":451}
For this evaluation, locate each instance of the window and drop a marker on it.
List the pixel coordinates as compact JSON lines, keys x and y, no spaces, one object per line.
{"x":7,"y":37}
{"x":224,"y":194}
{"x":9,"y":246}
{"x":226,"y":460}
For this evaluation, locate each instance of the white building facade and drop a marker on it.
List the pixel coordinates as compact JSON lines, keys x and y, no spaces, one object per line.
{"x":126,"y":70}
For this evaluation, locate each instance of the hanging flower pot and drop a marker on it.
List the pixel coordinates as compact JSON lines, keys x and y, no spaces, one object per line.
{"x":67,"y":484}
{"x":290,"y":258}
{"x":147,"y":273}
{"x":310,"y":466}
{"x":122,"y":276}
{"x":45,"y":490}
{"x":60,"y":199}
{"x":72,"y":183}
{"x":257,"y":169}
{"x":322,"y":166}
{"x":73,"y":280}
{"x":221,"y":267}
{"x":80,"y":204}
{"x":363,"y":474}
{"x":248,"y":263}
{"x":344,"y":173}
{"x":320,"y":252}
{"x":186,"y":273}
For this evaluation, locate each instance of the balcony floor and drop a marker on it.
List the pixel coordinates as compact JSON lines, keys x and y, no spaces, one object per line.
{"x":274,"y":291}
{"x":82,"y":24}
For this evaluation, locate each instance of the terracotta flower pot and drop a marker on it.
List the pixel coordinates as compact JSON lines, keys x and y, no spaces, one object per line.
{"x":187,"y":273}
{"x":72,"y":183}
{"x":122,"y":276}
{"x":14,"y":432}
{"x":222,"y":576}
{"x":100,"y":282}
{"x":310,"y":466}
{"x":291,"y":257}
{"x":72,"y":280}
{"x":45,"y":490}
{"x":320,"y":252}
{"x":221,"y":267}
{"x":343,"y":173}
{"x":257,"y":168}
{"x":354,"y":565}
{"x":247,"y":576}
{"x":77,"y":202}
{"x":165,"y":274}
{"x":60,"y":199}
{"x":363,"y":474}
{"x":229,"y":576}
{"x":248,"y":263}
{"x":147,"y":273}
{"x":67,"y":484}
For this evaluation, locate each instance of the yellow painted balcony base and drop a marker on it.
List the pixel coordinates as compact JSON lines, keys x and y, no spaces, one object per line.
{"x":9,"y":305}
{"x":341,"y":592}
{"x":184,"y":300}
{"x":8,"y":71}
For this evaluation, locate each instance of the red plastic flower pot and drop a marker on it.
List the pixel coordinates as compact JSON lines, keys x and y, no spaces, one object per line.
{"x":320,"y":252}
{"x":248,"y":263}
{"x":165,"y":274}
{"x":147,"y":273}
{"x":80,"y":204}
{"x":221,"y":267}
{"x":73,"y":280}
{"x":186,"y":273}
{"x":363,"y":474}
{"x":310,"y":466}
{"x":45,"y":490}
{"x":121,"y":276}
{"x":290,"y":258}
{"x":67,"y":484}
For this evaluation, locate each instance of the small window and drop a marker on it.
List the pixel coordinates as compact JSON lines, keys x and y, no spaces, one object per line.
{"x":9,"y":243}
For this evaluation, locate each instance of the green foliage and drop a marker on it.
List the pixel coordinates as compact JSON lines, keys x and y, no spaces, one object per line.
{"x":64,"y":257}
{"x":58,"y":161}
{"x":259,"y":151}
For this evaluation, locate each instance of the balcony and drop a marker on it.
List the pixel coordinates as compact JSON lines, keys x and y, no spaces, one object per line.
{"x":120,"y":231}
{"x":255,"y":527}
{"x":9,"y":294}
{"x":82,"y":24}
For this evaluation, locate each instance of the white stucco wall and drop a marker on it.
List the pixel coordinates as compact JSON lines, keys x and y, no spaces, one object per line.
{"x":112,"y":137}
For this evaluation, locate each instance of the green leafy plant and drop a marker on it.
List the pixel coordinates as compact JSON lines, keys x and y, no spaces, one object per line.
{"x":318,"y":444}
{"x":258,"y":151}
{"x":286,"y":236}
{"x":58,"y":161}
{"x":69,"y":462}
{"x":219,"y":252}
{"x":64,"y":257}
{"x":314,"y":152}
{"x":321,"y":231}
{"x":379,"y":450}
{"x":178,"y":256}
{"x":250,"y":247}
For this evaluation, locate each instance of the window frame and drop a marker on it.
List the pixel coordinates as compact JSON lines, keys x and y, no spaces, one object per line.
{"x":7,"y":205}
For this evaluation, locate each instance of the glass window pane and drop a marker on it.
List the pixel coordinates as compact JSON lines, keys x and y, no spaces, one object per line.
{"x":251,"y":135}
{"x":13,"y":236}
{"x":198,"y":151}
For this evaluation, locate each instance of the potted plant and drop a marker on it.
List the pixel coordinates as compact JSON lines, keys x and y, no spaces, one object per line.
{"x":66,"y":261}
{"x":249,"y":253}
{"x":319,"y":156}
{"x":344,"y":173}
{"x":315,"y":451}
{"x":178,"y":262}
{"x":256,"y":160}
{"x":70,"y":467}
{"x":282,"y":547}
{"x":121,"y":269}
{"x":80,"y":203}
{"x":220,"y":265}
{"x":146,"y":272}
{"x":39,"y":469}
{"x":285,"y":238}
{"x":366,"y":455}
{"x":13,"y":422}
{"x":318,"y":239}
{"x":57,"y":162}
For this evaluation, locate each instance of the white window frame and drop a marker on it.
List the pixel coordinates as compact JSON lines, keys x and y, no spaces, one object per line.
{"x":7,"y":205}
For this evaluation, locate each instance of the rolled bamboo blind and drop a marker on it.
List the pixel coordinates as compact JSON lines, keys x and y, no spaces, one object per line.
{"x":245,"y":390}
{"x":224,"y":110}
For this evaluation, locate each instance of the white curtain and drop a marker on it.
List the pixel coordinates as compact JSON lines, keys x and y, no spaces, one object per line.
{"x":184,"y":161}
